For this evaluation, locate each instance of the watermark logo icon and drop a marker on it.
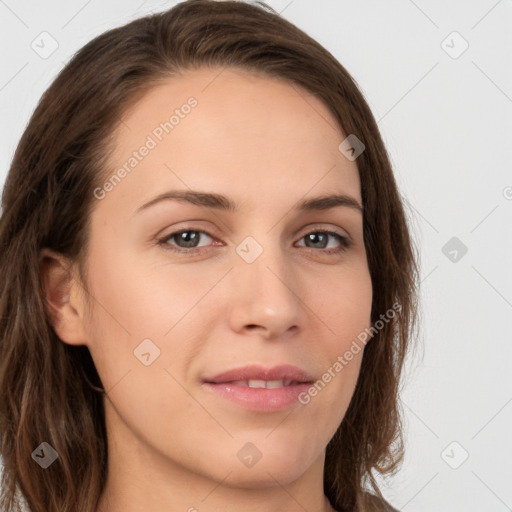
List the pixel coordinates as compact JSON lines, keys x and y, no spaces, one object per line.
{"x":454,"y":45}
{"x":454,"y":249}
{"x":249,"y":249}
{"x":454,"y":455}
{"x":351,"y":147}
{"x":146,"y":352}
{"x":45,"y":455}
{"x":44,"y":45}
{"x":249,"y":455}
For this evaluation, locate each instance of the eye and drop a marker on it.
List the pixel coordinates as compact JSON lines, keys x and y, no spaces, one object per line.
{"x":321,"y":237}
{"x":189,"y":238}
{"x":187,"y":241}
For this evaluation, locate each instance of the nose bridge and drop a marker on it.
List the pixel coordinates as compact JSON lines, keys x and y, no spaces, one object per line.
{"x":263,"y":258}
{"x":266,"y":284}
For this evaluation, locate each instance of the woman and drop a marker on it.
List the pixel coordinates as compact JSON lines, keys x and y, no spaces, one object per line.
{"x":208,"y":283}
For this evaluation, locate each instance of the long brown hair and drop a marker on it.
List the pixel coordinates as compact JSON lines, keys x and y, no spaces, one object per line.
{"x":49,"y":389}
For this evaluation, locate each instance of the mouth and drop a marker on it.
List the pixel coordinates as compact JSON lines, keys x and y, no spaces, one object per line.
{"x":260,"y":389}
{"x":260,"y":384}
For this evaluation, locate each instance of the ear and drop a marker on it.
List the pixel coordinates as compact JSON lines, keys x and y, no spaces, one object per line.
{"x":63,"y":300}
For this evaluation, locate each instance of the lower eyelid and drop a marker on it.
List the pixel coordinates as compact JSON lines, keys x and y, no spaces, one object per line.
{"x":169,"y":237}
{"x":344,"y":240}
{"x":332,"y":234}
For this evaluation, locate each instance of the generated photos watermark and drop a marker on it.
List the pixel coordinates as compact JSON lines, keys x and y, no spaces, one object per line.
{"x":343,"y":360}
{"x":152,"y":140}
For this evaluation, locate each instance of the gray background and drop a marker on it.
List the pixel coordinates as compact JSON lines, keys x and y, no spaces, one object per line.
{"x":446,"y":117}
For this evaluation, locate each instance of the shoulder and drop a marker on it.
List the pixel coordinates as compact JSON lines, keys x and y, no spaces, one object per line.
{"x":375,"y":504}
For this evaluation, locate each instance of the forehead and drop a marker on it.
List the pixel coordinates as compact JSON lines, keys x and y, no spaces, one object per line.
{"x":231,"y":131}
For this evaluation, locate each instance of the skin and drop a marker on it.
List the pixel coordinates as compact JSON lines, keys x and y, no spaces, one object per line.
{"x":172,"y":445}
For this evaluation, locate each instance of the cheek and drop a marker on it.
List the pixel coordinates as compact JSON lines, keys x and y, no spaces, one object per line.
{"x":160,"y":309}
{"x":142,"y":297}
{"x":344,"y":304}
{"x":345,"y":310}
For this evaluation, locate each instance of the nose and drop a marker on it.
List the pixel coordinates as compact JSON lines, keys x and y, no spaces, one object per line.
{"x":267,"y":298}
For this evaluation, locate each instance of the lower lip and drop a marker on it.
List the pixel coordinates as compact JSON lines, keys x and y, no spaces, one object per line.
{"x":259,"y":399}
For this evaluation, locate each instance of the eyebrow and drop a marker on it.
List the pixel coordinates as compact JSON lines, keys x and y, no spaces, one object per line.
{"x":221,"y":202}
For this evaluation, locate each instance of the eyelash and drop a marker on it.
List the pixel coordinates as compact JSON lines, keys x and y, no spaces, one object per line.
{"x":345,"y":242}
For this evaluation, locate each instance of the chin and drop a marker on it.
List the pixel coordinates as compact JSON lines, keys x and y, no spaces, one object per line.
{"x":264,"y":476}
{"x":259,"y":464}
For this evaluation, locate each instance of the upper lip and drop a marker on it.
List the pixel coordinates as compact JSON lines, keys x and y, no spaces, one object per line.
{"x":256,"y":372}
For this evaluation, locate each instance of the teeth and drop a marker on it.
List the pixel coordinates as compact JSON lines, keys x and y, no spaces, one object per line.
{"x":257,"y":384}
{"x":275,"y":384}
{"x":269,"y":384}
{"x":238,"y":383}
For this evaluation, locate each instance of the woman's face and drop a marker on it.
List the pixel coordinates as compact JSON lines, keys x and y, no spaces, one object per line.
{"x":257,"y":284}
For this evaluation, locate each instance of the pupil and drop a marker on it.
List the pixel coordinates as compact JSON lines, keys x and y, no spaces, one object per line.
{"x":314,"y":236}
{"x":188,"y":238}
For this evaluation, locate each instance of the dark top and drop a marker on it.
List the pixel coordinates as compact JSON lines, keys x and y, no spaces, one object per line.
{"x":375,"y":504}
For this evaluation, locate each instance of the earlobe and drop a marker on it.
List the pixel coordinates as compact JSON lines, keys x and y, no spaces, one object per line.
{"x":62,"y":300}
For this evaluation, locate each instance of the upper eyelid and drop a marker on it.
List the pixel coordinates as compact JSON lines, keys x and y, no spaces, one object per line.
{"x":317,"y":226}
{"x":330,"y":230}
